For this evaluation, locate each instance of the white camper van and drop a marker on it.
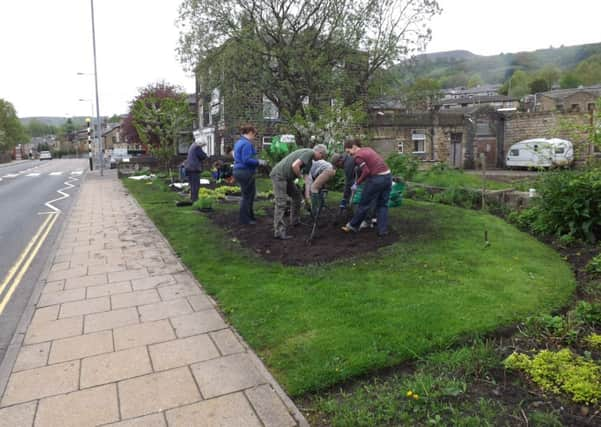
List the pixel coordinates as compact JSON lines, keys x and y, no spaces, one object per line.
{"x":540,"y":153}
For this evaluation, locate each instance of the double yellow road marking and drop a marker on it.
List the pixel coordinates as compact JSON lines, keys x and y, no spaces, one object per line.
{"x":18,"y":270}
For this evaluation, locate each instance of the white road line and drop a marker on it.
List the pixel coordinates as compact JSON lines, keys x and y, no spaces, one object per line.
{"x":33,"y":174}
{"x":64,"y":195}
{"x":11,"y":175}
{"x":55,"y":173}
{"x":79,"y":172}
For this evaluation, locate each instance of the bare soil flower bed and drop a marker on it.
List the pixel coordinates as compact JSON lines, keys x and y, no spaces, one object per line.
{"x":329,"y":244}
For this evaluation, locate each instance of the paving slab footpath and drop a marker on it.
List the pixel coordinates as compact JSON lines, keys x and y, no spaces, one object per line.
{"x":119,"y":333}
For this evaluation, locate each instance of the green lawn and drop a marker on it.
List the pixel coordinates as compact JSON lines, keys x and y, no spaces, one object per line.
{"x":316,"y":326}
{"x":456,"y":178}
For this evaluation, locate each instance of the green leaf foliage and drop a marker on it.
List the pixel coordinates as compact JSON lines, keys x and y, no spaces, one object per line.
{"x":569,"y":202}
{"x":561,"y":372}
{"x":11,"y":130}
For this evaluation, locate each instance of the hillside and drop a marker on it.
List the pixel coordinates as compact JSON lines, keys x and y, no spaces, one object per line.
{"x":455,"y":65}
{"x":52,"y":121}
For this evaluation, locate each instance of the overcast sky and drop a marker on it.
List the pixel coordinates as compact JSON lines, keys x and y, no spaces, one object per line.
{"x":45,"y":43}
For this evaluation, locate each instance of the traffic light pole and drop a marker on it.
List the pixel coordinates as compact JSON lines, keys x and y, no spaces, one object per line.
{"x":90,"y":143}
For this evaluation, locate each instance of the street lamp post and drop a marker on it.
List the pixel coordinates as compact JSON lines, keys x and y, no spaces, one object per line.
{"x":96,"y":86}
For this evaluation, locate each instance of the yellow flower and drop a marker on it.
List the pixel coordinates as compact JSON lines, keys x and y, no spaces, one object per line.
{"x":409,"y":393}
{"x":415,"y":396}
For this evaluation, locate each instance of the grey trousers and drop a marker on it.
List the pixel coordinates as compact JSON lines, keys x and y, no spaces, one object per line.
{"x":282,"y":189}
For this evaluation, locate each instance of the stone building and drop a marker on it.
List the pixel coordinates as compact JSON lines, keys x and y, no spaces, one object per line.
{"x":459,"y":138}
{"x":582,"y":99}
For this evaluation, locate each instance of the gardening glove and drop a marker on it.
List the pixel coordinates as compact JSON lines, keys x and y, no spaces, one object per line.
{"x":308,"y":205}
{"x":262,"y":162}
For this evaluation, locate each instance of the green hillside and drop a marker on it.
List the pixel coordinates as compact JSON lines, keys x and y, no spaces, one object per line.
{"x":450,"y":68}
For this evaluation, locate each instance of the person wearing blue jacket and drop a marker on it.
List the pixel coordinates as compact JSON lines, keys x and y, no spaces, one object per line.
{"x":245,"y":170}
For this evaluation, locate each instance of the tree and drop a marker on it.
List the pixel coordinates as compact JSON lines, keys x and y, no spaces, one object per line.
{"x":538,"y":85}
{"x":38,"y":128}
{"x":299,"y":48}
{"x":589,"y":70}
{"x":11,"y":130}
{"x":157,"y":114}
{"x":569,"y":80}
{"x":549,"y":74}
{"x":422,"y":94}
{"x":519,"y":84}
{"x":333,"y":125}
{"x":474,"y":81}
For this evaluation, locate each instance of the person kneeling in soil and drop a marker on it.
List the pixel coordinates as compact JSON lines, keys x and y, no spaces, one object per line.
{"x":320,"y":173}
{"x":283,"y":174}
{"x":378,"y":182}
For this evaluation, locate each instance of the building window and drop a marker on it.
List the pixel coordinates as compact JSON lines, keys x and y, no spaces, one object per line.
{"x":400,"y":148}
{"x":456,"y":138}
{"x":418,"y":137}
{"x":114,"y":139}
{"x":591,"y":107}
{"x":266,"y":142}
{"x":575,"y":107}
{"x":270,"y":110}
{"x":215,"y":104}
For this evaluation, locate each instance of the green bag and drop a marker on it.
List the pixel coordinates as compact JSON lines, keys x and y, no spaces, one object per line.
{"x":395,"y":199}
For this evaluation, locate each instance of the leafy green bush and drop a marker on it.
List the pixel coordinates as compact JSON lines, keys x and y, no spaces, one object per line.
{"x":594,"y":265}
{"x":419,"y":193}
{"x":336,"y":183}
{"x":594,"y":341}
{"x":588,"y":313}
{"x":561,"y":372}
{"x":273,"y":155}
{"x":440,"y":168}
{"x":570,"y":203}
{"x":403,"y":165}
{"x":458,"y":196}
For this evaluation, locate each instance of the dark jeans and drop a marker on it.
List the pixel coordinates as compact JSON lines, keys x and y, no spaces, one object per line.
{"x":246,"y":179}
{"x":377,"y":188}
{"x":194,"y":180}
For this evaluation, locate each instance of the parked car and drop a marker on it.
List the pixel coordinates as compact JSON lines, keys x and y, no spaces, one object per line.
{"x":45,"y":155}
{"x":119,"y":155}
{"x":540,"y":153}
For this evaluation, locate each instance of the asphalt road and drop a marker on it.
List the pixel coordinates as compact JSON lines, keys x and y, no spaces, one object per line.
{"x":29,"y":227}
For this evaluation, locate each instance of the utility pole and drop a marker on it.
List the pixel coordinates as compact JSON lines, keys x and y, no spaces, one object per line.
{"x":98,"y":123}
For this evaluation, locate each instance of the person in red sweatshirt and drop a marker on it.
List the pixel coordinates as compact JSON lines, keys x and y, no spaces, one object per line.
{"x":378,"y":182}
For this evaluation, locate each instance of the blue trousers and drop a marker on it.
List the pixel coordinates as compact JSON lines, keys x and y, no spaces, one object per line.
{"x":377,"y":188}
{"x":246,"y":180}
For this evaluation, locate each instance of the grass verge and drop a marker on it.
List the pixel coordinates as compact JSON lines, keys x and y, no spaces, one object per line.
{"x":317,"y":326}
{"x":457,"y":178}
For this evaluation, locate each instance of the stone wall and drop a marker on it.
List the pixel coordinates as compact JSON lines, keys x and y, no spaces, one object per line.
{"x":520,"y":126}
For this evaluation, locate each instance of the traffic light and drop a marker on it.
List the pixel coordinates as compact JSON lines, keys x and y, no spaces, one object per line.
{"x":89,"y":141}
